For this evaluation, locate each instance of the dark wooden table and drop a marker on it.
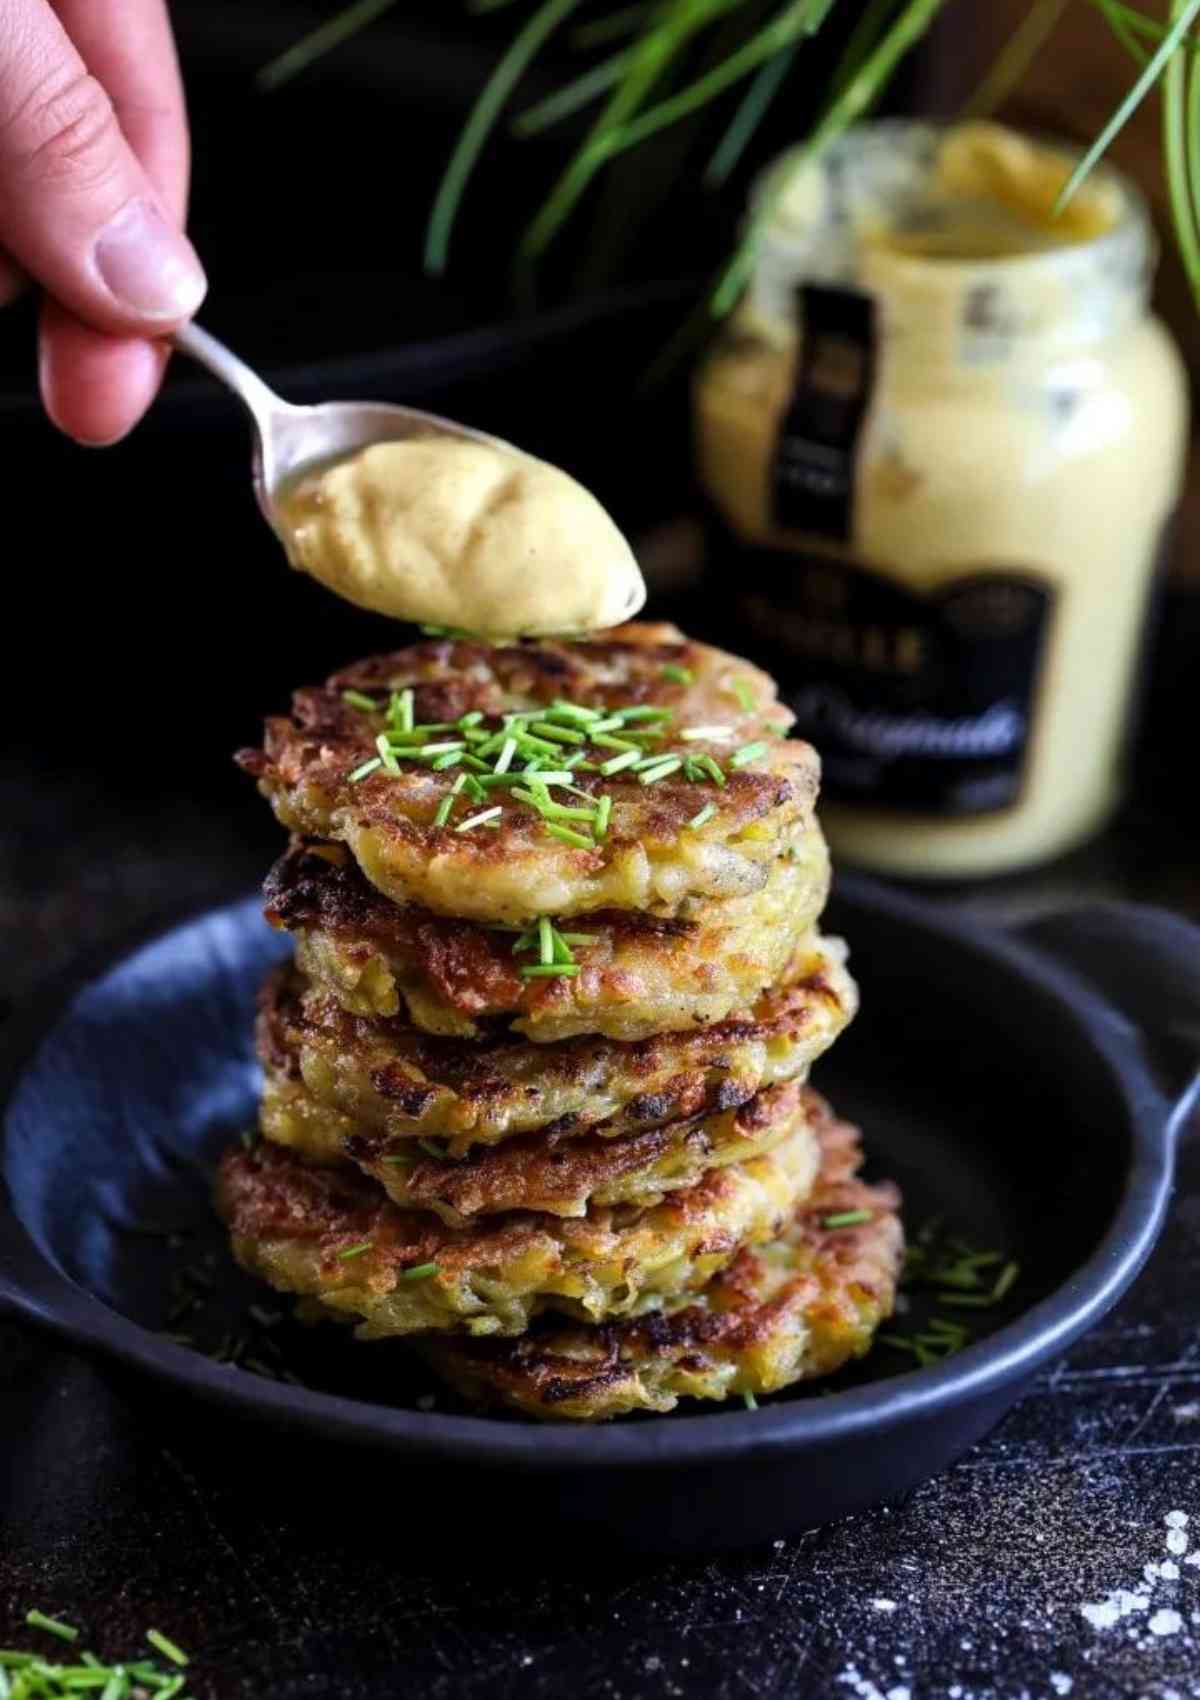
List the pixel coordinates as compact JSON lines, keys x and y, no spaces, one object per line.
{"x":1062,"y":1556}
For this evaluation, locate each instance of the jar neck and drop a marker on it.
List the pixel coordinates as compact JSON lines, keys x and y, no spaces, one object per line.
{"x":933,"y":313}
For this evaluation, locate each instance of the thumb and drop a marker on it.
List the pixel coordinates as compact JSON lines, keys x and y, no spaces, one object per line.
{"x":77,"y":212}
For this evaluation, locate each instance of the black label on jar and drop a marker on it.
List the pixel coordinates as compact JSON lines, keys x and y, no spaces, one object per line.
{"x":921,"y":702}
{"x":812,"y":478}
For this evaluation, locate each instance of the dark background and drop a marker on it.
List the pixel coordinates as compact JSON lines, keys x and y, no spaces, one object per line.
{"x":153,"y":624}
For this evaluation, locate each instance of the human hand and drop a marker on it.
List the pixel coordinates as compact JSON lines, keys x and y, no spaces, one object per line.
{"x":93,"y":191}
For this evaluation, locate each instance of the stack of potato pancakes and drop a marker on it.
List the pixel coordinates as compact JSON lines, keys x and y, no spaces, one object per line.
{"x":535,"y":1093}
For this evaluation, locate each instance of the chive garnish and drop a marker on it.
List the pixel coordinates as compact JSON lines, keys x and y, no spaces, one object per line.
{"x":443,"y":810}
{"x":545,"y":940}
{"x":457,"y":632}
{"x":419,"y":1272}
{"x":401,"y":709}
{"x":1004,"y":1281}
{"x":168,"y":1648}
{"x":652,"y":775}
{"x":703,"y":817}
{"x":603,"y":811}
{"x":747,"y":754}
{"x":356,"y":699}
{"x":367,"y":767}
{"x":559,"y":734}
{"x":617,"y":764}
{"x":641,"y":713}
{"x":741,"y":690}
{"x":846,"y":1219}
{"x":570,"y":836}
{"x":607,"y":742}
{"x":547,"y":970}
{"x":677,"y":675}
{"x":504,"y":759}
{"x":751,"y":1403}
{"x":480,"y":819}
{"x":709,"y":734}
{"x":390,"y":764}
{"x":52,"y":1625}
{"x":353,"y":1251}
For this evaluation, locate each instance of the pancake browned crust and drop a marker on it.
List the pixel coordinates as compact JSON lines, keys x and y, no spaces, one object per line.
{"x":797,"y":1308}
{"x":536,"y":1171}
{"x":332,"y":1236}
{"x":639,"y":974}
{"x":386,"y":1077}
{"x":650,"y":858}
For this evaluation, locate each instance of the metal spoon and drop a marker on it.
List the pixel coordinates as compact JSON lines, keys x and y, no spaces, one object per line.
{"x":287,"y":439}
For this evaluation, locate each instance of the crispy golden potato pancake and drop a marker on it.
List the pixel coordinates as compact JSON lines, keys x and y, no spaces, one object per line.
{"x":331,"y":1235}
{"x":536,"y":1171}
{"x":794,"y":1309}
{"x":667,"y":841}
{"x":638,"y":974}
{"x":385,"y":1077}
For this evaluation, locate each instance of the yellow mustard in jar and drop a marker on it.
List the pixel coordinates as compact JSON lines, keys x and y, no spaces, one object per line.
{"x":943,"y":439}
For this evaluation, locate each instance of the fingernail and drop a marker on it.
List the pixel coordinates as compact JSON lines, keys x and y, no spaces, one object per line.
{"x":149,"y":267}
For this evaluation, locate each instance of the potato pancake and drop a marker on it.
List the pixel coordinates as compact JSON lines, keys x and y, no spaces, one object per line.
{"x":638,"y":974}
{"x":656,"y":774}
{"x":331,"y":1235}
{"x":384,"y":1076}
{"x":797,"y":1308}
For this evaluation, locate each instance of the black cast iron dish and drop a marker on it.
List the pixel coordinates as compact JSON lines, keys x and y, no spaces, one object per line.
{"x":1029,"y":1088}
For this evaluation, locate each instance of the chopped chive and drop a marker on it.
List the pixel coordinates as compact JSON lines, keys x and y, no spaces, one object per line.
{"x":713,"y":768}
{"x":545,"y":939}
{"x":443,"y":810}
{"x":560,"y":949}
{"x":578,"y":939}
{"x":846,"y":1219}
{"x":456,"y":632}
{"x":367,"y":767}
{"x":703,"y":817}
{"x":168,"y":1648}
{"x":401,"y":709}
{"x":1004,"y":1281}
{"x":969,"y":1301}
{"x":443,"y":762}
{"x":547,"y":970}
{"x":472,"y":718}
{"x":447,"y":747}
{"x":570,"y":836}
{"x":709,"y":734}
{"x":609,"y":723}
{"x":504,"y":759}
{"x":747,"y":754}
{"x":607,"y":742}
{"x":677,"y":675}
{"x":617,"y":763}
{"x":480,"y":819}
{"x":559,"y":734}
{"x":353,"y":1251}
{"x":419,"y":1271}
{"x":572,"y":711}
{"x":630,"y":714}
{"x":551,"y":810}
{"x":474,"y":763}
{"x":750,"y":1402}
{"x":603,"y":811}
{"x":52,"y":1625}
{"x":652,"y":775}
{"x":741,"y":690}
{"x":356,"y":699}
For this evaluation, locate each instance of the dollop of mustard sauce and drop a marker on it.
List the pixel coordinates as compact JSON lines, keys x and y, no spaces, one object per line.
{"x":461,"y":532}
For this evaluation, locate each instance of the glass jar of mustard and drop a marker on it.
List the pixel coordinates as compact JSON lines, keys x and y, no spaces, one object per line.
{"x":942,"y":439}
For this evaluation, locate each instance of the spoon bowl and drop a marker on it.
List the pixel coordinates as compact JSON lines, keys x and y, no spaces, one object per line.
{"x":290,"y":440}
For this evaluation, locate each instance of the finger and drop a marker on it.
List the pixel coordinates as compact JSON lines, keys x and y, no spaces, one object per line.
{"x":128,"y":47}
{"x":77,"y":210}
{"x":95,"y":387}
{"x":12,"y":281}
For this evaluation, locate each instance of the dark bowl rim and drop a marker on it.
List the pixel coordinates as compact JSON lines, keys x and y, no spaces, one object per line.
{"x":49,"y":1298}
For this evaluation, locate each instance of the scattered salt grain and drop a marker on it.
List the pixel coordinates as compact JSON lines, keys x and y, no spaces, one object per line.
{"x":884,"y":1605}
{"x":1060,"y":1682}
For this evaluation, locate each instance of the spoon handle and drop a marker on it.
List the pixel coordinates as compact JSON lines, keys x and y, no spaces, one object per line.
{"x":258,"y":398}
